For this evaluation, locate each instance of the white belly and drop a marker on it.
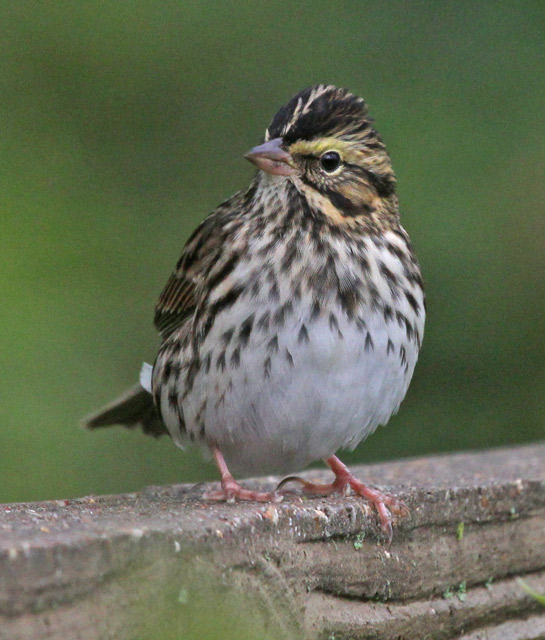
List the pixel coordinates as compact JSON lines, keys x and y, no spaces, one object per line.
{"x":298,"y":400}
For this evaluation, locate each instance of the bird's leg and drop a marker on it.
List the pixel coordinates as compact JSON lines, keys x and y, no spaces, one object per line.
{"x":384,"y":503}
{"x":231,"y":490}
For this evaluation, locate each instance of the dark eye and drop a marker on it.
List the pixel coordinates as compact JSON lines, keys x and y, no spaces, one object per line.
{"x":330,"y":161}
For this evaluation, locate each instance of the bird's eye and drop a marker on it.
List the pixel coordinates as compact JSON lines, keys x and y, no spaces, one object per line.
{"x":330,"y":161}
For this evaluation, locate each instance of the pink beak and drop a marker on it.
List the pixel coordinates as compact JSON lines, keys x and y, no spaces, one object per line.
{"x":272,"y":158}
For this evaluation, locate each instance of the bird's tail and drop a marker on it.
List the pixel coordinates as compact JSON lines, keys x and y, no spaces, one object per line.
{"x":134,"y":408}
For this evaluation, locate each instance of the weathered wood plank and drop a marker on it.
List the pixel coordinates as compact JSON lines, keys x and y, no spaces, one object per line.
{"x":434,"y":618}
{"x":119,"y":566}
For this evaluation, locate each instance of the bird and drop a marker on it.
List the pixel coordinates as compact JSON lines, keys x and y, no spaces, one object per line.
{"x":292,"y":322}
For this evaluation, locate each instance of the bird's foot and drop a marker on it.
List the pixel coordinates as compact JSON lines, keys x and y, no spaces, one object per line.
{"x":231,"y":491}
{"x":384,"y":504}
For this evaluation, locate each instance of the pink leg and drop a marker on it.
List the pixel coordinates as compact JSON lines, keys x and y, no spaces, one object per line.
{"x":231,"y":490}
{"x":384,"y":504}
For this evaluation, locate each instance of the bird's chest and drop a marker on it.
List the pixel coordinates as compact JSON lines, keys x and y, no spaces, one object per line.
{"x":300,"y":350}
{"x":301,"y":299}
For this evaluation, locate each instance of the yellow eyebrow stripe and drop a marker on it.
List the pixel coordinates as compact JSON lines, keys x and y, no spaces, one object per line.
{"x":321,"y":145}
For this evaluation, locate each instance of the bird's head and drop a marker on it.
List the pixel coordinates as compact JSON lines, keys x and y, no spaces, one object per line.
{"x":323,"y":141}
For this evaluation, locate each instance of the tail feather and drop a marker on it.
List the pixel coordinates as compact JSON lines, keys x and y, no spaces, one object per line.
{"x":134,"y":408}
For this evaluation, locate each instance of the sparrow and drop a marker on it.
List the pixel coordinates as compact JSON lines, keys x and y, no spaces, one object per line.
{"x":292,"y":323}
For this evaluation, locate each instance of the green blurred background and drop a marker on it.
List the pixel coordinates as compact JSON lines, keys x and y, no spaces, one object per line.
{"x":122,"y":124}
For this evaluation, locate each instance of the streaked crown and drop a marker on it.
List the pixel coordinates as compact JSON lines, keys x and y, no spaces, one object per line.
{"x":320,"y":110}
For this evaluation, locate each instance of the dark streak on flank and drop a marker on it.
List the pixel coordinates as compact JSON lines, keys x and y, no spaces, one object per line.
{"x":363,"y":263}
{"x":303,"y":335}
{"x":176,"y":371}
{"x":412,"y":301}
{"x":246,"y":330}
{"x":227,"y":335}
{"x":223,"y":303}
{"x":409,"y":329}
{"x":167,"y":371}
{"x":396,"y":251}
{"x":173,"y":399}
{"x":315,"y":310}
{"x":368,"y":342}
{"x":388,"y":274}
{"x":199,"y":417}
{"x":334,"y":325}
{"x":263,"y":322}
{"x":348,"y":299}
{"x":220,"y":362}
{"x":289,"y":358}
{"x":274,"y":294}
{"x":361,"y":325}
{"x":282,"y":312}
{"x":272,"y":345}
{"x":192,"y":372}
{"x":175,"y":348}
{"x":388,"y":312}
{"x":235,"y":358}
{"x":415,"y":278}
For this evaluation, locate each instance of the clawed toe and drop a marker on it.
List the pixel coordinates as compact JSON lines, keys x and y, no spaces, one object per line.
{"x":230,"y":489}
{"x":309,"y":488}
{"x":288,"y":479}
{"x":400,"y":509}
{"x":395,"y":506}
{"x":216,"y":496}
{"x":384,"y":504}
{"x":235,"y":492}
{"x":385,"y":517}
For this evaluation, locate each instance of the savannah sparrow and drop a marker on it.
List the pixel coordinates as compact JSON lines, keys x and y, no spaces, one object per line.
{"x":292,"y":323}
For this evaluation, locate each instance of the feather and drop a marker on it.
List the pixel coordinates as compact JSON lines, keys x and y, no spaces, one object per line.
{"x":145,"y":376}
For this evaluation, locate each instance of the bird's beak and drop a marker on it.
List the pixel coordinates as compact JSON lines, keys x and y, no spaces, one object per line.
{"x":272,"y":158}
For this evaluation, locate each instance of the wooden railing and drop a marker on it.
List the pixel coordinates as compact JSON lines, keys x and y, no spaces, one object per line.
{"x":164,"y":564}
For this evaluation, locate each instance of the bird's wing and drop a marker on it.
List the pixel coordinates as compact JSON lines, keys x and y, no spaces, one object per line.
{"x":201,"y":254}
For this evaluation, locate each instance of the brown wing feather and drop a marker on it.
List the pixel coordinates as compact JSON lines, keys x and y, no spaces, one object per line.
{"x":203,"y":251}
